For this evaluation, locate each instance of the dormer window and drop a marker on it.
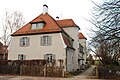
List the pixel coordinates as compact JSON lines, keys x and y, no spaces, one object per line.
{"x":38,"y":25}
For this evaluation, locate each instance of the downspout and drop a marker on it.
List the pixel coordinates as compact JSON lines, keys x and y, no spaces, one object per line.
{"x":82,"y":57}
{"x":66,"y":57}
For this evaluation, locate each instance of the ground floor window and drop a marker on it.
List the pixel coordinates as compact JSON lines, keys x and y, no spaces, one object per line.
{"x":21,"y":57}
{"x":49,"y":57}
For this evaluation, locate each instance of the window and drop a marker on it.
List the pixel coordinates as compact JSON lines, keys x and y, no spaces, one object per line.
{"x":24,"y":41}
{"x":46,"y":40}
{"x":21,"y":57}
{"x":49,"y":57}
{"x":37,"y":25}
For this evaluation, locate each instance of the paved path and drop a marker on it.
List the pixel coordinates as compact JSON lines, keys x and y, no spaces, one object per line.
{"x":82,"y":76}
{"x":87,"y":73}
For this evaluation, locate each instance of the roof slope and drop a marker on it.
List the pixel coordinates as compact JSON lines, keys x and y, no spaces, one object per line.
{"x":67,"y":23}
{"x":67,"y":42}
{"x":81,"y":36}
{"x":50,"y":26}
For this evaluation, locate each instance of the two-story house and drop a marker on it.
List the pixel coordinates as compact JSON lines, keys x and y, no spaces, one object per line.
{"x":47,"y":38}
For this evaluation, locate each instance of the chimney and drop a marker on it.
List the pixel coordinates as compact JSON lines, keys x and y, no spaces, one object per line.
{"x":57,"y":17}
{"x":45,"y":9}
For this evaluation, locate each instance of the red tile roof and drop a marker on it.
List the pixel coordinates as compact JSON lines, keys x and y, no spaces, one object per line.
{"x":67,"y":23}
{"x":81,"y":36}
{"x":50,"y":26}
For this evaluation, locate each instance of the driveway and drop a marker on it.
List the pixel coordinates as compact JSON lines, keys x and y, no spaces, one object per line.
{"x":88,"y":73}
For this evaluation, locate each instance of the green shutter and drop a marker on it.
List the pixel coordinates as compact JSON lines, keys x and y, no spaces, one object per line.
{"x":20,"y":41}
{"x":41,"y":40}
{"x":50,"y":40}
{"x":45,"y":56}
{"x":28,"y":41}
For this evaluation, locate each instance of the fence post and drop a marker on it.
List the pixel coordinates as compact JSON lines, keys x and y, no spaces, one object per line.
{"x":97,"y":71}
{"x":63,"y":74}
{"x":20,"y":69}
{"x":44,"y":70}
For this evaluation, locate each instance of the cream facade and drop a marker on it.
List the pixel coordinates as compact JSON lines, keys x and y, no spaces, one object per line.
{"x":83,"y":43}
{"x":36,"y":51}
{"x":35,"y":48}
{"x":73,"y":32}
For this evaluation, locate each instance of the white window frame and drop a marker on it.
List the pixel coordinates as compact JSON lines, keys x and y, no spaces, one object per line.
{"x":36,"y":26}
{"x":24,"y":42}
{"x":49,"y":57}
{"x":46,"y":40}
{"x":33,"y":26}
{"x":21,"y":57}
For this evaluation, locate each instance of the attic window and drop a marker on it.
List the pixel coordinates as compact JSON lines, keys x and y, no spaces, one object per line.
{"x":39,"y":25}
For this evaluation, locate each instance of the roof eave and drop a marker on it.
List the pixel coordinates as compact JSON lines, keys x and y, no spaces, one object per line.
{"x":71,"y":26}
{"x":71,"y":48}
{"x":35,"y":33}
{"x":83,"y":38}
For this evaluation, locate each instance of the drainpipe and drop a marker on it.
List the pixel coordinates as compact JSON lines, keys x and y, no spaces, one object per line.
{"x":66,"y":57}
{"x":82,"y":57}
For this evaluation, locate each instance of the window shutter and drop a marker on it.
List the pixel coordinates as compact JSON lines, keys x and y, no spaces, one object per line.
{"x":20,"y":41}
{"x":24,"y":57}
{"x":54,"y":56}
{"x":50,"y":40}
{"x":41,"y":41}
{"x":18,"y":57}
{"x":28,"y":41}
{"x":45,"y":56}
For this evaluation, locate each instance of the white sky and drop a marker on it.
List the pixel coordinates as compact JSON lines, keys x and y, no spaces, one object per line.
{"x":74,"y":9}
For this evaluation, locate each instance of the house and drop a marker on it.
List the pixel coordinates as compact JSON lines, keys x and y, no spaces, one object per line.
{"x":47,"y":38}
{"x":82,"y":48}
{"x":3,"y":52}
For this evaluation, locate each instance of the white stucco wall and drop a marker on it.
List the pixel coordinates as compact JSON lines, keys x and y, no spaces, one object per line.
{"x":35,"y":50}
{"x":70,"y":60}
{"x":73,"y":32}
{"x":83,"y":43}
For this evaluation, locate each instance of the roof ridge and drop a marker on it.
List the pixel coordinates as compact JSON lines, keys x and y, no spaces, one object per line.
{"x":36,"y":18}
{"x":64,"y":19}
{"x":56,"y":23}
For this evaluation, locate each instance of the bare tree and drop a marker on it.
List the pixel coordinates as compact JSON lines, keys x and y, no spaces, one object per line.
{"x":90,"y":59}
{"x":106,"y":39}
{"x":11,"y":22}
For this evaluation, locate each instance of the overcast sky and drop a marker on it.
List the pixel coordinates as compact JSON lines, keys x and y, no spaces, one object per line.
{"x":78,"y":10}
